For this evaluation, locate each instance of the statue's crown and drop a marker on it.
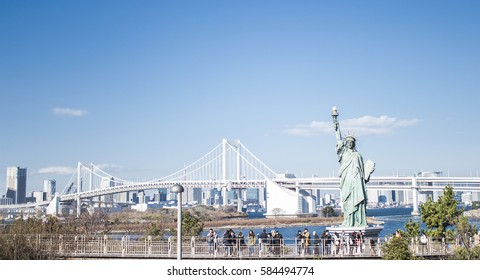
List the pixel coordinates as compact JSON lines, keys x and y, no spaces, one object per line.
{"x":350,"y":137}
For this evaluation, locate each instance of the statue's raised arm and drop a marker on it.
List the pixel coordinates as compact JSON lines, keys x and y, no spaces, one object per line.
{"x":336,"y":125}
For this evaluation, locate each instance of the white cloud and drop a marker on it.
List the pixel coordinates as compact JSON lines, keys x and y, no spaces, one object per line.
{"x":367,"y":125}
{"x":58,"y":170}
{"x":68,"y":112}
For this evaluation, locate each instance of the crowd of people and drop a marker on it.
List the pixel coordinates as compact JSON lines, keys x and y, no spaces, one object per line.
{"x":273,"y":243}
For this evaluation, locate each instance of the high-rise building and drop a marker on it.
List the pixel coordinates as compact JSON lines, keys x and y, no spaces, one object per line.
{"x":49,"y":187}
{"x":251,"y":195}
{"x":162,"y":194}
{"x":17,"y":184}
{"x":107,"y":182}
{"x":122,"y":197}
{"x":192,"y":196}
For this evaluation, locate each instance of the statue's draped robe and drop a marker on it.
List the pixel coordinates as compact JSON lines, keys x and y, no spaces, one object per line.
{"x":352,"y":186}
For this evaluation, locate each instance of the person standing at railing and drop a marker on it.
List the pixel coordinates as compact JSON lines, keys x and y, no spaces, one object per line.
{"x":251,"y":241}
{"x":307,"y":239}
{"x":282,"y":242}
{"x":423,"y":241}
{"x":360,"y":242}
{"x":336,"y":243}
{"x":352,"y":241}
{"x":328,"y":243}
{"x":233,"y":242}
{"x":240,"y":244}
{"x":316,"y":243}
{"x":372,"y":246}
{"x":275,"y":243}
{"x":225,"y":238}
{"x":343,"y":244}
{"x":211,"y":239}
{"x":299,"y":242}
{"x":326,"y":240}
{"x":263,"y":241}
{"x":228,"y":241}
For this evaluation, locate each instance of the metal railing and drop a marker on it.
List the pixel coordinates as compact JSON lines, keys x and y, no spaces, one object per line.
{"x":114,"y":246}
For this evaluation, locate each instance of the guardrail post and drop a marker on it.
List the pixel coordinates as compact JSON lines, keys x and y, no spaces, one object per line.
{"x":75,"y":243}
{"x":105,"y":247}
{"x":260,"y":249}
{"x":444,"y":246}
{"x":60,"y":244}
{"x":192,"y":244}
{"x":127,"y":241}
{"x":83,"y":247}
{"x":123,"y":246}
{"x":149,"y":250}
{"x":379,"y":247}
{"x":429,"y":247}
{"x":170,"y":246}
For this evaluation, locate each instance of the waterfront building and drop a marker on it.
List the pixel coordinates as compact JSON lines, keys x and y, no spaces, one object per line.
{"x":6,"y":201}
{"x":133,"y":198}
{"x":385,"y":197}
{"x":17,"y":184}
{"x":372,"y":198}
{"x":231,"y":197}
{"x":141,"y":197}
{"x":162,"y":195}
{"x":156,"y":197}
{"x":107,"y":182}
{"x":252,"y":196}
{"x":328,"y":199}
{"x":192,"y":196}
{"x":475,"y":196}
{"x":49,"y":187}
{"x":320,"y":201}
{"x":408,"y":195}
{"x":209,"y":196}
{"x":39,"y":196}
{"x":467,"y":198}
{"x":121,"y":197}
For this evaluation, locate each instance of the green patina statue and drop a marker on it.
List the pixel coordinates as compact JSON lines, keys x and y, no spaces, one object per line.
{"x":353,"y":175}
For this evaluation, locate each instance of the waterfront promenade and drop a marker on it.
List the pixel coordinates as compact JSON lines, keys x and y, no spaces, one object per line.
{"x":129,"y":247}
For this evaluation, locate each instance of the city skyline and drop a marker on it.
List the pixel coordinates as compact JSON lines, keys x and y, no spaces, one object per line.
{"x":143,"y":89}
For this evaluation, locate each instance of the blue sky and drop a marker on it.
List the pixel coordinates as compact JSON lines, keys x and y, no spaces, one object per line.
{"x":143,"y":87}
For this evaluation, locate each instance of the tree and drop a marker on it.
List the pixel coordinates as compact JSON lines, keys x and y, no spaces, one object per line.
{"x":277,"y":211}
{"x":412,"y":229}
{"x":465,"y":232}
{"x":440,"y":215}
{"x":191,"y":225}
{"x":328,"y":211}
{"x":397,"y":248}
{"x":16,"y":239}
{"x":95,"y":222}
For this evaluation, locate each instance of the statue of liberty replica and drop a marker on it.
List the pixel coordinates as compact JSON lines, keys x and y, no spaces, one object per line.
{"x":354,"y":174}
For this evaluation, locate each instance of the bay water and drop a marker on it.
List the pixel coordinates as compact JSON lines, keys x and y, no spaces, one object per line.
{"x":393,"y":218}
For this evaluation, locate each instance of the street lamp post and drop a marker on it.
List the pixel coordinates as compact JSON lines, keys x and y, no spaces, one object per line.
{"x":178,"y":189}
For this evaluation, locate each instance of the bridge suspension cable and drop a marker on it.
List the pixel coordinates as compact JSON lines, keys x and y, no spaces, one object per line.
{"x":228,"y":161}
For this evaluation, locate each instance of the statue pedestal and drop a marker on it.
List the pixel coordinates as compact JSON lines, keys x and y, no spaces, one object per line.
{"x":368,"y":231}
